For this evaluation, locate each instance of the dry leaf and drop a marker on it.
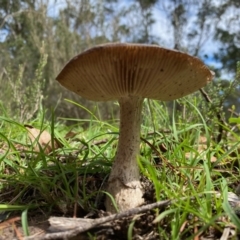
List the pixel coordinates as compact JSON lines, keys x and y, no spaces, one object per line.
{"x":41,"y":140}
{"x":201,"y":146}
{"x":70,"y":135}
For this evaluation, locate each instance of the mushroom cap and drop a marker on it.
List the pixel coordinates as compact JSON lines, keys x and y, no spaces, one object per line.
{"x":111,"y":71}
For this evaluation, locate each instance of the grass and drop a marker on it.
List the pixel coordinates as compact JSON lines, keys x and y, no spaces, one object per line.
{"x":74,"y":175}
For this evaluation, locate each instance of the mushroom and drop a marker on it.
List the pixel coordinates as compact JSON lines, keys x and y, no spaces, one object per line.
{"x":129,"y":73}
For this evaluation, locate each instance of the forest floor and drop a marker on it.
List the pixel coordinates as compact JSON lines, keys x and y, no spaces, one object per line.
{"x":138,"y":226}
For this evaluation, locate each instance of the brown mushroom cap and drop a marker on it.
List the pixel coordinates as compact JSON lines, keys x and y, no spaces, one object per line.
{"x":110,"y":71}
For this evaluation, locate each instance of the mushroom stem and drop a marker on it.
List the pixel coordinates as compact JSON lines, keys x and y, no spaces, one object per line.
{"x":124,"y":183}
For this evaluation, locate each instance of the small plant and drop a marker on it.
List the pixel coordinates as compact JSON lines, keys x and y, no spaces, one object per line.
{"x":24,"y":95}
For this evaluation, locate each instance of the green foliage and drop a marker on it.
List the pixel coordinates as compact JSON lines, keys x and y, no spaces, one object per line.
{"x":25,"y":94}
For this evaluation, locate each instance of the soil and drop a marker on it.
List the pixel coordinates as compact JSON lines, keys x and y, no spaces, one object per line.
{"x":12,"y":230}
{"x":142,"y":225}
{"x":39,"y":225}
{"x":143,"y":229}
{"x":38,"y":222}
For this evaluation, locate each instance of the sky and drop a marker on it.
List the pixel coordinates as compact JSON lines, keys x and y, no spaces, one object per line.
{"x":161,"y":28}
{"x":164,"y":29}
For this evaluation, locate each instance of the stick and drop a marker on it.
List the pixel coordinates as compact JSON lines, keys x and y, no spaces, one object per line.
{"x":70,"y":227}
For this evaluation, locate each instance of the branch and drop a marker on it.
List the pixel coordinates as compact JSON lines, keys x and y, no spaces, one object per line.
{"x":65,"y":228}
{"x":218,"y":114}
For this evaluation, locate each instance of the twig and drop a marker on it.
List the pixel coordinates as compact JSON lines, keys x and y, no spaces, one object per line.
{"x":161,"y":156}
{"x":218,"y":114}
{"x":233,"y":112}
{"x":64,"y":228}
{"x":8,"y":222}
{"x":70,"y":227}
{"x":205,"y":95}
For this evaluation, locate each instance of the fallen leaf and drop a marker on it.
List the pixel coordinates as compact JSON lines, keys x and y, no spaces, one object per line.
{"x":201,"y":146}
{"x":42,"y":140}
{"x":70,"y":135}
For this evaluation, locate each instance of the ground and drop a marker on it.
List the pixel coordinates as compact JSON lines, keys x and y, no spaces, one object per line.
{"x":139,"y":226}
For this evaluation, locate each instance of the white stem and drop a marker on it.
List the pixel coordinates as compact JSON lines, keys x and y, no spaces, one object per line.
{"x":123,"y":183}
